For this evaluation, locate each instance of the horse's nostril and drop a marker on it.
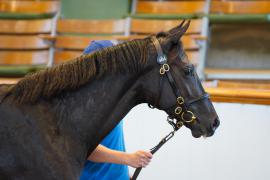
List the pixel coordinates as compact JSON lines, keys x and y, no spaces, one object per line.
{"x":216,"y":123}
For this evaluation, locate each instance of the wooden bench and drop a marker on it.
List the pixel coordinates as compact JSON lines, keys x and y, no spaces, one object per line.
{"x":29,"y":7}
{"x":170,"y":7}
{"x":148,"y":26}
{"x":245,"y":92}
{"x":240,"y":7}
{"x":25,"y":26}
{"x":74,"y":35}
{"x":262,"y":85}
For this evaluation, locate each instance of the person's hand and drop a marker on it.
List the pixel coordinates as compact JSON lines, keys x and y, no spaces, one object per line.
{"x":139,"y":159}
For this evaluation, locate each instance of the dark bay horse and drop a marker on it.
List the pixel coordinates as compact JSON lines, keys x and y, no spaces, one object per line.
{"x":52,"y":120}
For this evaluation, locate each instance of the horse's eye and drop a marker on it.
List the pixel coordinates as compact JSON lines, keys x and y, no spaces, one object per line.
{"x":189,"y":70}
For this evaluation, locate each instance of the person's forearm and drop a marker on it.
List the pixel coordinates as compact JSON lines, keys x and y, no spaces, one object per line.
{"x":105,"y":155}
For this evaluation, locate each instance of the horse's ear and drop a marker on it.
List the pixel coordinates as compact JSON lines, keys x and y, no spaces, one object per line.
{"x":176,"y":33}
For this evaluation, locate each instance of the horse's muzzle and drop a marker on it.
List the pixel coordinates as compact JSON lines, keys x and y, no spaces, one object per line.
{"x":215,"y":124}
{"x":213,"y":127}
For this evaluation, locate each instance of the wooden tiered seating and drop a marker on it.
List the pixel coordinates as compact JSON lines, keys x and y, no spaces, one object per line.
{"x":20,"y":44}
{"x":21,"y":49}
{"x":73,"y":36}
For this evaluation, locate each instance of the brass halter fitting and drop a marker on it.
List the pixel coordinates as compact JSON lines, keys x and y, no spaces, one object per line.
{"x":191,"y":119}
{"x":179,"y":124}
{"x":178,"y":110}
{"x":164,"y":68}
{"x":180,"y":100}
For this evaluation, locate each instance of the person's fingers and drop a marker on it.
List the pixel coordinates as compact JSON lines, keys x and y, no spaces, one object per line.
{"x":146,"y":154}
{"x":144,"y":162}
{"x":141,"y":158}
{"x":146,"y":159}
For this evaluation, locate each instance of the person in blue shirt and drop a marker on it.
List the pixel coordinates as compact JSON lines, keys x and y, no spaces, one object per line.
{"x":109,"y":161}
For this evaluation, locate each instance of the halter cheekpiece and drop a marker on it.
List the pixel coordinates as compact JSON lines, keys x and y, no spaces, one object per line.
{"x":180,"y":110}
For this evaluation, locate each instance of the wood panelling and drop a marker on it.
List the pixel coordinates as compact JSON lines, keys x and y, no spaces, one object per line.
{"x":23,"y":57}
{"x":63,"y":56}
{"x":170,"y":7}
{"x":78,"y":42}
{"x":148,"y":26}
{"x":251,"y":96}
{"x":91,"y":26}
{"x":22,"y":42}
{"x":240,"y":7}
{"x":25,"y":26}
{"x":39,"y":7}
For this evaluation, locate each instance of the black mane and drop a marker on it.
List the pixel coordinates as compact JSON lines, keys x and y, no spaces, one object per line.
{"x":126,"y":57}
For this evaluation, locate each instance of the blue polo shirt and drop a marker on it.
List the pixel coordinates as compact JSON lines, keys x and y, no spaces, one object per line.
{"x":114,"y":140}
{"x":108,"y":171}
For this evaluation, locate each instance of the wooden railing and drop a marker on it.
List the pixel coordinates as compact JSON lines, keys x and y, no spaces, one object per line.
{"x":240,"y":7}
{"x":172,"y":7}
{"x":30,"y":7}
{"x":240,"y":92}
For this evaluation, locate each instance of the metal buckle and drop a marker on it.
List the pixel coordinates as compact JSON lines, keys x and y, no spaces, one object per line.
{"x":162,"y":71}
{"x":178,"y":110}
{"x":192,"y":117}
{"x":166,"y":67}
{"x":179,"y":124}
{"x":180,"y":100}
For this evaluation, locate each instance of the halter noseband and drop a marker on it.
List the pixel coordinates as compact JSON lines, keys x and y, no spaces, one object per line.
{"x":181,"y":107}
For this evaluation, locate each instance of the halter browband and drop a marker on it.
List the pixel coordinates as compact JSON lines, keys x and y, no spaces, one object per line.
{"x":181,"y":107}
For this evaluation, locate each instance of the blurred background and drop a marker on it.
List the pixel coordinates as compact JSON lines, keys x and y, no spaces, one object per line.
{"x":228,"y":42}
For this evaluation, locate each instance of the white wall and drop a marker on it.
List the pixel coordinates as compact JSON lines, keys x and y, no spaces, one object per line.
{"x":239,"y":150}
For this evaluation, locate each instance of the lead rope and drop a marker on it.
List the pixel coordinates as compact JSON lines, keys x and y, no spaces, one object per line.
{"x":160,"y":144}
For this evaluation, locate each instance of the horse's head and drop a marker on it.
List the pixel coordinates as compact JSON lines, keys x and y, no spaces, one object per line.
{"x":174,"y":86}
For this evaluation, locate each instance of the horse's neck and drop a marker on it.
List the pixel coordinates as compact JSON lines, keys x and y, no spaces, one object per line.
{"x":3,"y":91}
{"x":95,"y":109}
